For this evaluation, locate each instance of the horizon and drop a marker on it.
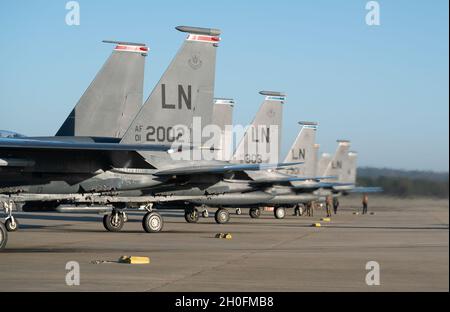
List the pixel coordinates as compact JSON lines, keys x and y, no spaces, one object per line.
{"x":383,"y":87}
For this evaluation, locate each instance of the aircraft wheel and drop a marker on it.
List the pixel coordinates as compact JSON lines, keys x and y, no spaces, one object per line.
{"x":279,"y":213}
{"x":238,"y":211}
{"x":11,"y":224}
{"x":205,"y":213}
{"x":3,"y":236}
{"x":255,"y":213}
{"x":113,"y":222}
{"x":222,"y":216}
{"x":191,"y":215}
{"x":152,"y":222}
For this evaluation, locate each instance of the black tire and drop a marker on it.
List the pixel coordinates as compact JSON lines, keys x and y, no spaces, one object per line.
{"x":11,"y":226}
{"x":3,"y":236}
{"x":255,"y":213}
{"x":222,"y":216}
{"x":279,"y":213}
{"x":191,"y":215}
{"x":113,"y":222}
{"x":152,"y":222}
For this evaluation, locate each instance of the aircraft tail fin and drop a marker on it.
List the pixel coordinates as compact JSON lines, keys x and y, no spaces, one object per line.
{"x":185,"y":91}
{"x":113,"y":98}
{"x":304,"y":150}
{"x":350,"y":168}
{"x":339,"y":162}
{"x":262,"y":139}
{"x":223,"y":118}
{"x":323,"y":163}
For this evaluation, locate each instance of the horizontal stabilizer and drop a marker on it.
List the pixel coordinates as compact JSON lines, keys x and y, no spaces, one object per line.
{"x":218,"y":169}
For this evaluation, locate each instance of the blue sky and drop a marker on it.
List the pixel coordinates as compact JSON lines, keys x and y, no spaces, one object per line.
{"x":383,"y":87}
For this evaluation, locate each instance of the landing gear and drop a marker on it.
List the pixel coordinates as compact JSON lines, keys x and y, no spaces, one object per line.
{"x":222,"y":216}
{"x":191,"y":215}
{"x":255,"y":213}
{"x":152,"y":222}
{"x":11,"y":224}
{"x":3,"y":236}
{"x":238,"y":211}
{"x":298,"y":210}
{"x":114,"y":222}
{"x":279,"y":212}
{"x":205,"y":213}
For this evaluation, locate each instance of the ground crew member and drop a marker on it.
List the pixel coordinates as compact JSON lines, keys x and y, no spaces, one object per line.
{"x":328,"y":204}
{"x":365,"y":202}
{"x":310,"y":209}
{"x":335,"y":205}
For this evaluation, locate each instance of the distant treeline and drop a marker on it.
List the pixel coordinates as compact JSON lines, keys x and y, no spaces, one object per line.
{"x":405,"y":183}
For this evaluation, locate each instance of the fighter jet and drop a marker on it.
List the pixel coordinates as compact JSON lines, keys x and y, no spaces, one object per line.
{"x":106,"y":107}
{"x":258,"y":147}
{"x":73,"y":172}
{"x":287,"y":187}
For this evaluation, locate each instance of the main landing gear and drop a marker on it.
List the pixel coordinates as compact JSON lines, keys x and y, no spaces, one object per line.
{"x":152,"y":222}
{"x":222,"y":216}
{"x":255,"y":213}
{"x":279,"y":212}
{"x":191,"y":215}
{"x":3,"y":236}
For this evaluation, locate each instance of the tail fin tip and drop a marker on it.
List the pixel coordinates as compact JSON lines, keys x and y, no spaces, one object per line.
{"x":308,"y":123}
{"x":272,"y":93}
{"x":124,"y":43}
{"x":199,"y":30}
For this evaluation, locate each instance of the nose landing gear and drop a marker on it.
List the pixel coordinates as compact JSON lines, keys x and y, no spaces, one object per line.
{"x":114,"y":222}
{"x":11,"y":223}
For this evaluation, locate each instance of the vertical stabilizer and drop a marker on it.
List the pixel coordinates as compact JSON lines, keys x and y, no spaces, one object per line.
{"x":322,"y":164}
{"x":185,"y":91}
{"x":337,"y":165}
{"x":223,"y":118}
{"x":112,"y":100}
{"x":262,"y":139}
{"x":303,"y":150}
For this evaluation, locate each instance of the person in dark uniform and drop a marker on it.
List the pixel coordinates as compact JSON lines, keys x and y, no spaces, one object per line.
{"x":328,"y":204}
{"x":365,"y":202}
{"x":335,"y":205}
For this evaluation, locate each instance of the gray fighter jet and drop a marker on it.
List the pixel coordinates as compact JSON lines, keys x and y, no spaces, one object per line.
{"x":105,"y":108}
{"x":69,"y":171}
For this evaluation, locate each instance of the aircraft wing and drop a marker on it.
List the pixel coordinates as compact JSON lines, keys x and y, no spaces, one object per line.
{"x":68,"y":145}
{"x":317,"y":185}
{"x":365,"y":189}
{"x":219,"y":169}
{"x":287,"y":179}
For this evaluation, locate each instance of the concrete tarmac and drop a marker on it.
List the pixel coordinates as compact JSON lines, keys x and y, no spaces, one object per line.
{"x":409,"y":239}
